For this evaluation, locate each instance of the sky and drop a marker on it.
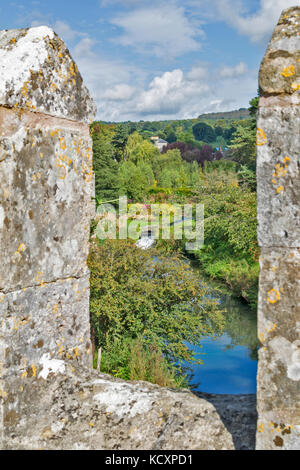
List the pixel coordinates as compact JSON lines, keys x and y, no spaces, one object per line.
{"x":155,"y":59}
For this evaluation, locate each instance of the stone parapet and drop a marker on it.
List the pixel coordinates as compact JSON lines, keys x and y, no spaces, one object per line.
{"x":278,"y":186}
{"x":46,"y":191}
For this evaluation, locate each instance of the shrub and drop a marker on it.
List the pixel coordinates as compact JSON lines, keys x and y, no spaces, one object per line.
{"x":140,"y":294}
{"x":132,"y":359}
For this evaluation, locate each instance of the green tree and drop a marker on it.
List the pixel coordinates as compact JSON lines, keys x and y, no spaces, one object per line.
{"x":139,"y":294}
{"x":243,"y":143}
{"x":170,"y":138}
{"x":228,"y":133}
{"x":170,"y":134}
{"x":105,"y":167}
{"x":230,"y":251}
{"x":134,"y":180}
{"x":170,"y":161}
{"x":132,"y":127}
{"x":218,"y":131}
{"x":247,"y":177}
{"x":119,"y":140}
{"x":139,"y":149}
{"x":204,"y":132}
{"x":254,"y":105}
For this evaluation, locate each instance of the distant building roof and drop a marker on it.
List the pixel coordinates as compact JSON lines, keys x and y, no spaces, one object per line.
{"x":160,"y":143}
{"x":158,"y":140}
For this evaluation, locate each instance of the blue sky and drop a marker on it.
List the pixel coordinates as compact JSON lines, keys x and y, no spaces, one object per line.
{"x":154,"y":59}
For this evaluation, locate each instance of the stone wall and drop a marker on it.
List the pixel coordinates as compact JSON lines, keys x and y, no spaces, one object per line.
{"x":49,"y":396}
{"x":46,"y":189}
{"x":278,"y":167}
{"x":75,"y":408}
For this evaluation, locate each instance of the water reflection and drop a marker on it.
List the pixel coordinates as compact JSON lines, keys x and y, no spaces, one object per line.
{"x":230,"y":361}
{"x":241,"y":325}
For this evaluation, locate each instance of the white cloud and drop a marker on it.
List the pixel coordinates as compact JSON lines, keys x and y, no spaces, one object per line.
{"x":83,"y":48}
{"x":175,"y":94}
{"x":236,"y":71}
{"x":32,"y":18}
{"x":163,"y":30}
{"x":165,"y":94}
{"x":257,"y":26}
{"x":62,"y":28}
{"x":121,"y":92}
{"x":65,"y":31}
{"x":197,"y":73}
{"x":104,"y":3}
{"x":107,"y":80}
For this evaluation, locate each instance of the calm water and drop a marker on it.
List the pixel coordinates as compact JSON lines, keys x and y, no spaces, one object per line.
{"x":230,"y":361}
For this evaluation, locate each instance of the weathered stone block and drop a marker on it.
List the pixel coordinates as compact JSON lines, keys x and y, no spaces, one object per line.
{"x":67,"y":407}
{"x":278,"y":177}
{"x":45,"y":199}
{"x":280,"y":68}
{"x":51,"y":318}
{"x":278,"y":163}
{"x":46,"y":190}
{"x":37,"y":73}
{"x":40,"y":327}
{"x":279,"y":330}
{"x":279,"y":431}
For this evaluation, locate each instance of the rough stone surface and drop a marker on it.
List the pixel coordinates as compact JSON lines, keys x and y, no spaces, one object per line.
{"x":278,"y":163}
{"x":238,"y":413}
{"x":275,"y":434}
{"x":279,"y":330}
{"x":278,"y":176}
{"x":37,"y":73}
{"x":45,"y":199}
{"x":30,"y":316}
{"x":280,"y":68}
{"x":74,"y":408}
{"x":46,"y":190}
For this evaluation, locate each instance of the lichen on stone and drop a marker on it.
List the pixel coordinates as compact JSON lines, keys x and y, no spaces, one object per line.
{"x":37,"y":73}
